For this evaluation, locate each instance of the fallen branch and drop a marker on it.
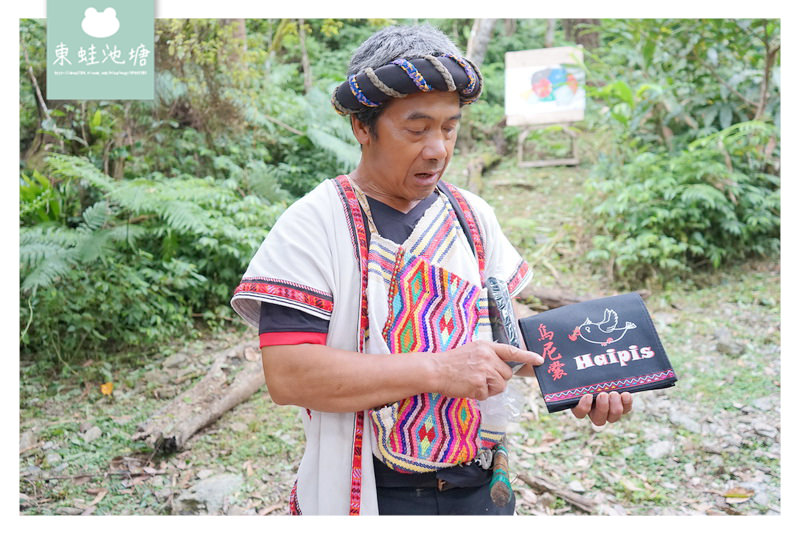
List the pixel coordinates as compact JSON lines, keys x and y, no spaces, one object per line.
{"x":476,"y":168}
{"x":126,"y":473}
{"x":283,"y":125}
{"x":514,"y":183}
{"x":541,"y":484}
{"x":219,"y":391}
{"x":551,"y":298}
{"x":271,"y":509}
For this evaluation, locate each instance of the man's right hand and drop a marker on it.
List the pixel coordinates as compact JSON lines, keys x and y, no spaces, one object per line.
{"x":478,"y":369}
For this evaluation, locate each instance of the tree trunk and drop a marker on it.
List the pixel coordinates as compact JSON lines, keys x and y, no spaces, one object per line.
{"x":771,"y":55}
{"x":577,"y":30}
{"x":305,"y":62}
{"x":220,"y":390}
{"x":238,"y":42}
{"x":479,"y":40}
{"x":549,"y":34}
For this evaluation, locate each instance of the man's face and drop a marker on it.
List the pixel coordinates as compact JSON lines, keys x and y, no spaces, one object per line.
{"x":414,"y":143}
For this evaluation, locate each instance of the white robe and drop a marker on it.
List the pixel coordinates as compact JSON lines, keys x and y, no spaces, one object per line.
{"x":312,"y":260}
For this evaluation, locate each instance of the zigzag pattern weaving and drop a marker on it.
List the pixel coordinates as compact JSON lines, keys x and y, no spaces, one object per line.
{"x":431,"y":309}
{"x":427,"y":432}
{"x":609,"y":386}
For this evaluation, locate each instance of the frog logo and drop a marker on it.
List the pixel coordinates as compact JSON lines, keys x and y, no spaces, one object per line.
{"x":100,"y":25}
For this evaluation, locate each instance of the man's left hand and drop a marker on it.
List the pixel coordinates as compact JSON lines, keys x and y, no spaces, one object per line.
{"x":609,"y":407}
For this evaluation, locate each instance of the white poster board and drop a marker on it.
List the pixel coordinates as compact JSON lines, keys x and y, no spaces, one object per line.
{"x":544,"y":86}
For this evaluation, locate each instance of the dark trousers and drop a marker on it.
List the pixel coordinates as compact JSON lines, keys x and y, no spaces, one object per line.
{"x":456,"y":491}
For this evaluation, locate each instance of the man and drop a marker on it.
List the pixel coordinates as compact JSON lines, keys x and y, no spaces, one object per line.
{"x":370,"y":298}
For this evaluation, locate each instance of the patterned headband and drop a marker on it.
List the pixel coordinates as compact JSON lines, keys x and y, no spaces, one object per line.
{"x":401,"y":77}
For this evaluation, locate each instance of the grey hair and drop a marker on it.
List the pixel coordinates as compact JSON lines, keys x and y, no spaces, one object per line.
{"x":407,"y":42}
{"x":390,"y":43}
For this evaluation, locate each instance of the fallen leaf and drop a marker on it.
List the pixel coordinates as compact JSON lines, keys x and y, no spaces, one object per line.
{"x":99,"y":497}
{"x":630,"y":485}
{"x":107,"y":388}
{"x":248,"y":467}
{"x":251,"y":354}
{"x":738,"y":495}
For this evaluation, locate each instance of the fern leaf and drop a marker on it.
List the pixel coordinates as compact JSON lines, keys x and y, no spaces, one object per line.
{"x":93,"y":245}
{"x":97,"y":215}
{"x":78,"y":167}
{"x":126,"y":233}
{"x":345,"y":153}
{"x":46,"y":272}
{"x":184,"y":216}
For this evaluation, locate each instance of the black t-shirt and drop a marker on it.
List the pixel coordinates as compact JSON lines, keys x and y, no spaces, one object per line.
{"x":391,"y":224}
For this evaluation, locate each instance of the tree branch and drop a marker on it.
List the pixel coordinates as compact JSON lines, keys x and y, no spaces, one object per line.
{"x":723,"y":82}
{"x":284,"y":125}
{"x":771,"y":54}
{"x":35,"y":84}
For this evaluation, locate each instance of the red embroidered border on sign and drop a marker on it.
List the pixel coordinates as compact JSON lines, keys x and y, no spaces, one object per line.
{"x":609,"y":386}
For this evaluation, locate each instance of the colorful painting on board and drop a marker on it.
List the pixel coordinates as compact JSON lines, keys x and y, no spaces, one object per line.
{"x":545,"y":86}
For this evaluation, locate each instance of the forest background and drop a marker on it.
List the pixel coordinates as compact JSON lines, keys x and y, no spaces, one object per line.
{"x":137,"y":219}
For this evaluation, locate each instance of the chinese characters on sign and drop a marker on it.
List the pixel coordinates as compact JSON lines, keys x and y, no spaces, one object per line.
{"x":556,"y":367}
{"x":88,"y":56}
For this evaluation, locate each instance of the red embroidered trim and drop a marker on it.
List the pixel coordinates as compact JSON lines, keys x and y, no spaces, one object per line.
{"x":358,"y":235}
{"x":355,"y":481}
{"x":472,"y":224}
{"x":278,"y":338}
{"x":518,"y":277}
{"x":294,"y":505}
{"x":288,"y":290}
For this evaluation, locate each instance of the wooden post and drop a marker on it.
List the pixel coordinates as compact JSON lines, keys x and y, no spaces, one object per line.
{"x":574,"y":160}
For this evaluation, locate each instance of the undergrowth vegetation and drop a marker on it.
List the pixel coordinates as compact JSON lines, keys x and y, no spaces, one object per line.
{"x":138,"y":218}
{"x":692,"y":177}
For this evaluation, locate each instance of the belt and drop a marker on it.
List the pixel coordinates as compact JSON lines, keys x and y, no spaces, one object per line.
{"x":466,"y":475}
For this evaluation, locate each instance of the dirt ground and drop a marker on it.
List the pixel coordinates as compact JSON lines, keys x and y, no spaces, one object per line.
{"x":709,"y":446}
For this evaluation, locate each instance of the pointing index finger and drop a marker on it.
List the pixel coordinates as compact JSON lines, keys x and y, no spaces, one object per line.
{"x":512,"y":354}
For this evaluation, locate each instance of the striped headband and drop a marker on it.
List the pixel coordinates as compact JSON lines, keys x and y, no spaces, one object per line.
{"x":401,"y":77}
